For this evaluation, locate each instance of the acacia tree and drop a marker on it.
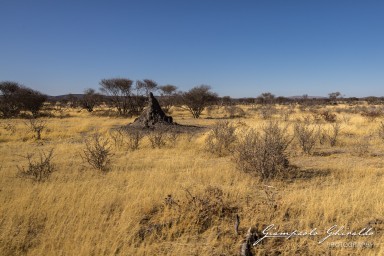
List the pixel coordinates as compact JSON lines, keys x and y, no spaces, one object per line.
{"x":15,"y":98}
{"x":147,"y":85}
{"x":266,"y":98}
{"x":90,"y":99}
{"x":197,"y":98}
{"x":168,"y":96}
{"x":119,"y":91}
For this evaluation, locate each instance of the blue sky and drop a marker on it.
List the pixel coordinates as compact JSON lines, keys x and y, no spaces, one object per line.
{"x":239,"y":48}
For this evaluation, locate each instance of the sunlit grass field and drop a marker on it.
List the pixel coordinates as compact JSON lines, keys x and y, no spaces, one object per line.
{"x":81,"y":211}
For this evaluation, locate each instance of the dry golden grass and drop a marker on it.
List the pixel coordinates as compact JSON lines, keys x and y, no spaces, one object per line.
{"x":80,"y":211}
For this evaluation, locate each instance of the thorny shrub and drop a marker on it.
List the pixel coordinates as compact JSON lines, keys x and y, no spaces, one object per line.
{"x":263,"y":152}
{"x":39,"y":169}
{"x":221,"y":138}
{"x":97,"y":153}
{"x":195,"y":213}
{"x":306,"y":136}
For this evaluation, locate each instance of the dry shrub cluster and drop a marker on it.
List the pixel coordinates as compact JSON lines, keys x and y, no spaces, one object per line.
{"x":333,"y":134}
{"x":158,"y":138}
{"x":37,"y":126}
{"x":325,"y":115}
{"x":134,"y":139}
{"x":221,"y":138}
{"x":267,"y":111}
{"x":306,"y":136}
{"x":372,"y":113}
{"x":328,"y":116}
{"x":196,"y":213}
{"x":39,"y":169}
{"x":234,"y":111}
{"x":285,"y":113}
{"x":97,"y":153}
{"x":263,"y":153}
{"x":123,"y":137}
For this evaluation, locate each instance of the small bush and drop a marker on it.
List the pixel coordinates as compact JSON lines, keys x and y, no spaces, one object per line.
{"x":328,"y":116}
{"x":234,"y":111}
{"x":36,"y":126}
{"x":263,"y":153}
{"x":134,"y":138}
{"x":221,"y":138}
{"x":38,"y":170}
{"x":97,"y":153}
{"x":306,"y":136}
{"x":322,"y":135}
{"x":267,"y":111}
{"x":157,"y":138}
{"x":333,"y":134}
{"x":371,"y":114}
{"x":172,"y":136}
{"x":118,"y":137}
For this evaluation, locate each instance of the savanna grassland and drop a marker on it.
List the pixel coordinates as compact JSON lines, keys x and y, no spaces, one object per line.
{"x":180,"y":199}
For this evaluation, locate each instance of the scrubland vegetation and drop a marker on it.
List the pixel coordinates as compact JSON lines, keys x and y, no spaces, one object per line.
{"x":73,"y":182}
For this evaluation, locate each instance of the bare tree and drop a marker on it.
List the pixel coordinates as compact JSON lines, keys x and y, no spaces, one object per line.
{"x":120,"y":92}
{"x":333,"y":96}
{"x":266,"y":98}
{"x":197,"y":98}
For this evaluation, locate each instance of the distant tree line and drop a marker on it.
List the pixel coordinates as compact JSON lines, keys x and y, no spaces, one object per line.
{"x":15,"y":98}
{"x":128,"y":98}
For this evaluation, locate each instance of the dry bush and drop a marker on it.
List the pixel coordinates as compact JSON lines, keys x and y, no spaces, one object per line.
{"x":196,"y":213}
{"x":285,"y":113}
{"x":306,"y":136}
{"x":234,"y":111}
{"x":123,"y":137}
{"x":172,"y":136}
{"x":157,"y":138}
{"x":328,"y":116}
{"x":38,"y":169}
{"x":36,"y":126}
{"x":97,"y":153}
{"x":322,"y":135}
{"x":333,"y":134}
{"x":134,"y":138}
{"x":118,"y":137}
{"x":263,"y":153}
{"x":267,"y":111}
{"x":371,"y":114}
{"x":221,"y":138}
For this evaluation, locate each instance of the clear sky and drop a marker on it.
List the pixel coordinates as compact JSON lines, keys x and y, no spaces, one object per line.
{"x":239,"y":48}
